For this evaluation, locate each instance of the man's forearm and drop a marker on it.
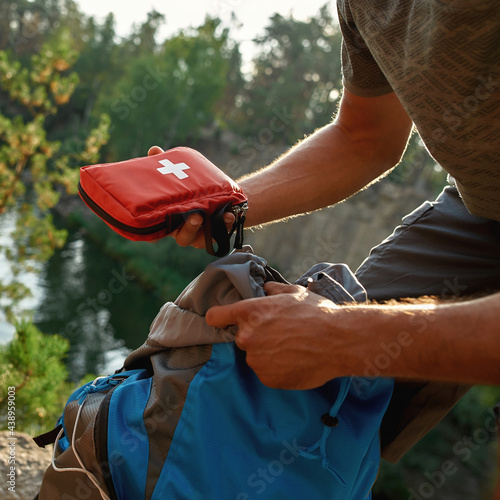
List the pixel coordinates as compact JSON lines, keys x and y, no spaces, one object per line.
{"x":318,"y":172}
{"x":366,"y":140}
{"x":458,"y":342}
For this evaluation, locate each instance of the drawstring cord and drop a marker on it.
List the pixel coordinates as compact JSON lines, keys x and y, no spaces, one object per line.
{"x":100,"y":384}
{"x":94,"y":387}
{"x":330,"y":420}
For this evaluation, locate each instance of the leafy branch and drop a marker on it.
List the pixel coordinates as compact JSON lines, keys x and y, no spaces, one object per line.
{"x":35,"y":170}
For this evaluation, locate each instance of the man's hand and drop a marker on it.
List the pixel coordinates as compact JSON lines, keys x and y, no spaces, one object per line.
{"x":287,"y":336}
{"x":295,"y":339}
{"x":191,"y":232}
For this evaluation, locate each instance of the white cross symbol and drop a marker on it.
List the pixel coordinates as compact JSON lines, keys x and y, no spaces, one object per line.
{"x":173,"y":168}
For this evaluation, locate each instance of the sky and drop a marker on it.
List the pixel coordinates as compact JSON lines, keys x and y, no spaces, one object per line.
{"x":252,"y":14}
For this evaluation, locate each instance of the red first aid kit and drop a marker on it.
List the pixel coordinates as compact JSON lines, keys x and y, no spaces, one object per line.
{"x":145,"y":199}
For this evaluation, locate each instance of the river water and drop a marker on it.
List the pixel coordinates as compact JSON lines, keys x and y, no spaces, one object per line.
{"x":87,"y":297}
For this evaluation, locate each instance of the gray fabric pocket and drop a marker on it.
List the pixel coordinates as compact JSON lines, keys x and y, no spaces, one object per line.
{"x":333,"y":281}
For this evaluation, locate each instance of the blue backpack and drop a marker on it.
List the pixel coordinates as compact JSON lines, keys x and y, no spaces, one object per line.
{"x":186,"y":418}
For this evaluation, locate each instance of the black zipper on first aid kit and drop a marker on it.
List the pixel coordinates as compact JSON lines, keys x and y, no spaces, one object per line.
{"x":169,"y":225}
{"x":214,"y":226}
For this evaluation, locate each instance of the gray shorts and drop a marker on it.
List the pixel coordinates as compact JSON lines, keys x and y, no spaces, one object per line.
{"x":439,"y":249}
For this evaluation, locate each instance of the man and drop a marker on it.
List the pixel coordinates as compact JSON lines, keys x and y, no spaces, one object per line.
{"x":435,"y":65}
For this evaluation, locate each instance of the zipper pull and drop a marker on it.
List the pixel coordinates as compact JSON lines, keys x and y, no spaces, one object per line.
{"x":240,"y":212}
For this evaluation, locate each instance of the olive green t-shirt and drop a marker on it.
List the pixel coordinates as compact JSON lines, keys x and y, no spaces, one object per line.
{"x":442,"y":58}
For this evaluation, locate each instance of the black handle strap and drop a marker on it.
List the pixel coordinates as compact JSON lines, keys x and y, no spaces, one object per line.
{"x":214,"y":228}
{"x":238,"y":226}
{"x":47,"y":438}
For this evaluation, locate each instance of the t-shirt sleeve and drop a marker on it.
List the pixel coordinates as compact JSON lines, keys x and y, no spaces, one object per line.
{"x":360,"y":72}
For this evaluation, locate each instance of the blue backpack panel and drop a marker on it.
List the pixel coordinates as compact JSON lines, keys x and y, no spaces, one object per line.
{"x":186,"y":418}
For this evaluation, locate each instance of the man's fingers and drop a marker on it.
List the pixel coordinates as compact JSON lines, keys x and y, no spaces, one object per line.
{"x":221,"y":316}
{"x":155,"y":150}
{"x":275,"y":288}
{"x":249,"y":313}
{"x":229,"y":219}
{"x":187,"y":234}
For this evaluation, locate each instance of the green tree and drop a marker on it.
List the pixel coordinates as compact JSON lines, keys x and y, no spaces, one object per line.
{"x":25,"y":25}
{"x":168,"y":94}
{"x":143,"y":39}
{"x":33,"y":168}
{"x":228,"y":108}
{"x":22,"y":25}
{"x":98,"y":67}
{"x":296,"y":73}
{"x":33,"y":373}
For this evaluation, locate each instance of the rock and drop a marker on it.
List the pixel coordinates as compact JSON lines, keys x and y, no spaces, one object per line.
{"x":29,"y":461}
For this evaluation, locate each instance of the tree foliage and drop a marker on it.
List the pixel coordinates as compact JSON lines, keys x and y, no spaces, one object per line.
{"x":32,"y":369}
{"x":33,"y":167}
{"x":167,"y":94}
{"x":297,"y":70}
{"x":25,"y":25}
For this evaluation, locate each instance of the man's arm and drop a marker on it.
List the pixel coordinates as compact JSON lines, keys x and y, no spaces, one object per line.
{"x":298,"y":340}
{"x":366,"y":139}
